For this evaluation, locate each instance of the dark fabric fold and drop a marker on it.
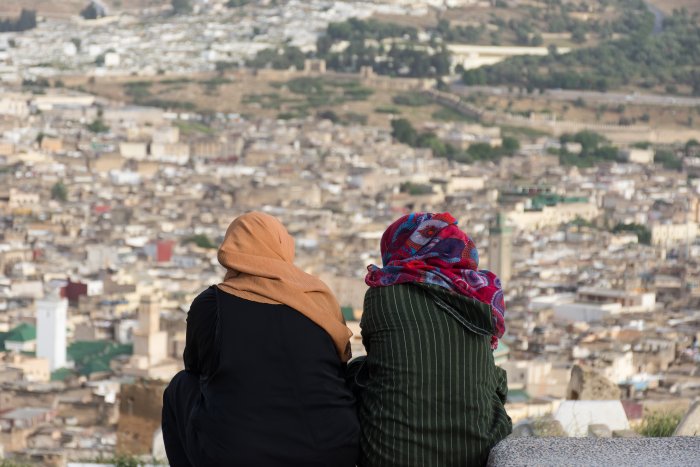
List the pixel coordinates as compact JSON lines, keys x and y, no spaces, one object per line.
{"x":265,"y":387}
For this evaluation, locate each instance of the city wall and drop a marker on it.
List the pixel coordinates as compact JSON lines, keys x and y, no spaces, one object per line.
{"x":621,"y":134}
{"x":140,"y":406}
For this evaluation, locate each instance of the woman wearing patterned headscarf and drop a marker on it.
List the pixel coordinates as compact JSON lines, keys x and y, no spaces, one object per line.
{"x":430,"y":393}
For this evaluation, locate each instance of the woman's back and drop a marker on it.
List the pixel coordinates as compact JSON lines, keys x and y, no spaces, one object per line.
{"x":433,"y":395}
{"x":277,"y":394}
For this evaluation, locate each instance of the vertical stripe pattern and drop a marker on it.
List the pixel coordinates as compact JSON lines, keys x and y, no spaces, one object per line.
{"x":433,"y":395}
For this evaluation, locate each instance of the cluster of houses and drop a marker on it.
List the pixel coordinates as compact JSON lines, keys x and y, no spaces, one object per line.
{"x":109,"y":231}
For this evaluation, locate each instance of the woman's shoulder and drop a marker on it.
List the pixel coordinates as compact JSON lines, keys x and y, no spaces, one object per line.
{"x":206,"y":298}
{"x":392,"y":294}
{"x":393,"y":290}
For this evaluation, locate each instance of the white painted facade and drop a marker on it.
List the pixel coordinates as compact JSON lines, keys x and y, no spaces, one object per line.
{"x":51,"y":319}
{"x":576,"y":416}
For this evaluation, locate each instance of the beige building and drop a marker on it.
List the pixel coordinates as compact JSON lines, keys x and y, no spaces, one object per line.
{"x":460,"y":183}
{"x":631,"y":301}
{"x":33,"y":369}
{"x":166,"y":135}
{"x":14,"y":105}
{"x":133,"y":150}
{"x":23,"y":200}
{"x":150,"y":358}
{"x":539,"y":378}
{"x":174,"y":153}
{"x":551,"y":215}
{"x":670,"y":235}
{"x":528,"y":410}
{"x":6,"y":148}
{"x":49,"y":144}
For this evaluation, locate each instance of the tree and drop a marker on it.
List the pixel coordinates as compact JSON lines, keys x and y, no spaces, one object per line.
{"x":403,"y":131}
{"x":510,"y":145}
{"x":668,"y":160}
{"x":59,"y":192}
{"x":98,"y":126}
{"x":181,"y":6}
{"x":279,"y":59}
{"x":482,"y":151}
{"x":578,"y":36}
{"x":329,"y":115}
{"x":589,"y":140}
{"x":643,"y":233}
{"x":201,"y":241}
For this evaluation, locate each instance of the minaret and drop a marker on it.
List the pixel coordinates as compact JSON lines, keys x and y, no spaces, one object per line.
{"x":500,"y":246}
{"x":51,"y":317}
{"x":149,"y":341}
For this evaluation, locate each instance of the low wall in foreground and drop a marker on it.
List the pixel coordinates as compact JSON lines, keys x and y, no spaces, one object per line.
{"x":528,"y":451}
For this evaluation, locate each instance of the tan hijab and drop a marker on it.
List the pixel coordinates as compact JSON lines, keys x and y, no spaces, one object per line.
{"x":258,"y":255}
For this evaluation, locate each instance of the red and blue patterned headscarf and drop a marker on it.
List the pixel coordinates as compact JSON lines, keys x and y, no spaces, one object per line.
{"x":431,"y":249}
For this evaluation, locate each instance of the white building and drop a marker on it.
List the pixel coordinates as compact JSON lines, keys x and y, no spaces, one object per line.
{"x":576,"y":416}
{"x":14,"y":104}
{"x":133,"y":150}
{"x":585,"y":312}
{"x":638,"y":156}
{"x":51,"y":318}
{"x":112,"y":59}
{"x":475,"y":56}
{"x":631,"y":301}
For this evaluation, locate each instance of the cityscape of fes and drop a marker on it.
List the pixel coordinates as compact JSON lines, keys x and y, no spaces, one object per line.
{"x":562,"y":135}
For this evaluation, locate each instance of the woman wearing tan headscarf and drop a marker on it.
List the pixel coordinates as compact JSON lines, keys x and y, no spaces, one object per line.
{"x":264,"y":363}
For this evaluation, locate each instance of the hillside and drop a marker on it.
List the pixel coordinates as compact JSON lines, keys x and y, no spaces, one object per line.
{"x":66,"y":8}
{"x":665,"y":62}
{"x":667,"y":6}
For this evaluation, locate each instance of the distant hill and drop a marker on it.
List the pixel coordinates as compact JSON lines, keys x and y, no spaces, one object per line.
{"x":665,"y":62}
{"x":66,"y":8}
{"x":667,"y":6}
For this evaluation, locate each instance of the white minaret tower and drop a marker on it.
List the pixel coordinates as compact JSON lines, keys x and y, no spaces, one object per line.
{"x":51,"y":320}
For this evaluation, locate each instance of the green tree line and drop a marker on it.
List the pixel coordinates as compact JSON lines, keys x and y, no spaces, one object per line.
{"x":671,"y":58}
{"x":404,"y":132}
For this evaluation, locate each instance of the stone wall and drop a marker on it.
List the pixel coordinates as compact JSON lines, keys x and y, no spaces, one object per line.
{"x":674,"y":451}
{"x":140,"y":406}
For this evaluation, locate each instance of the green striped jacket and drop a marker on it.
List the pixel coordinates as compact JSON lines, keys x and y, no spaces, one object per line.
{"x":429,"y":391}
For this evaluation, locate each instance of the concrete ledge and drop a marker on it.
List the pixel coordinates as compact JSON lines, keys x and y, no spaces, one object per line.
{"x":527,"y":451}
